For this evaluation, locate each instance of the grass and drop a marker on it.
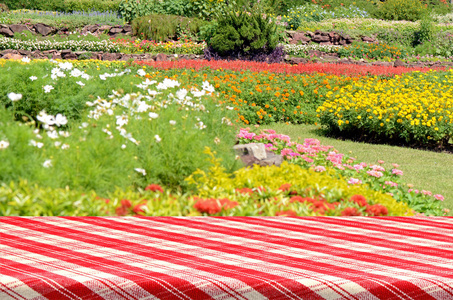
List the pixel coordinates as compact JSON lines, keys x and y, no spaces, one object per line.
{"x":424,"y":169}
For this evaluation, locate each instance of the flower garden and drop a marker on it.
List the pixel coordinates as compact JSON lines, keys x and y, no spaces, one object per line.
{"x":104,"y":138}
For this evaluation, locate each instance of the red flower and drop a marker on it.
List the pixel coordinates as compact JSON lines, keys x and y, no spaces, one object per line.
{"x":213,"y":206}
{"x":285,"y":187}
{"x":154,"y":188}
{"x":286,"y":213}
{"x":376,"y":210}
{"x":140,"y":208}
{"x":350,"y":211}
{"x":245,"y":191}
{"x":126,"y":203}
{"x":359,"y":199}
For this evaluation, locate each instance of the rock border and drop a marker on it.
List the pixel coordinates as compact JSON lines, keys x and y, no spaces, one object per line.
{"x":45,"y":30}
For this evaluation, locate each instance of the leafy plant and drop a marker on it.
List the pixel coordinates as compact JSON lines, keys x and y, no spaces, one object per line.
{"x":409,"y":10}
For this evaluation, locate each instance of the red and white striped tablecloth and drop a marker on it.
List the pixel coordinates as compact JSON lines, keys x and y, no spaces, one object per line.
{"x":226,"y":258}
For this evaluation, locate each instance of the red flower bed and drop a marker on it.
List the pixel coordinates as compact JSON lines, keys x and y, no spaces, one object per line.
{"x":336,"y":69}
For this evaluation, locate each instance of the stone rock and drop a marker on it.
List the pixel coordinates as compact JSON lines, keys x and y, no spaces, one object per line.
{"x":5,"y":31}
{"x":161,"y":57}
{"x":18,"y":28}
{"x":127,"y":28}
{"x":115,"y":30}
{"x":105,"y":28}
{"x":300,"y":37}
{"x":70,"y":56}
{"x":25,"y":52}
{"x":382,"y":63}
{"x":297,"y":60}
{"x":256,"y":154}
{"x":91,"y":28}
{"x":12,"y":56}
{"x":256,"y":149}
{"x":368,"y":39}
{"x":320,"y":38}
{"x":4,"y":52}
{"x":56,"y":55}
{"x":43,"y":29}
{"x":111,"y":56}
{"x":316,"y":53}
{"x":398,"y":63}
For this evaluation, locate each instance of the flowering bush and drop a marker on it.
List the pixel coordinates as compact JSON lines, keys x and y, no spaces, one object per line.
{"x":324,"y":159}
{"x":104,"y":45}
{"x":372,"y":51}
{"x":413,"y":109}
{"x":146,"y":46}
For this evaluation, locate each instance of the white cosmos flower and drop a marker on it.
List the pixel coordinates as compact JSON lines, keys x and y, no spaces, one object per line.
{"x":4,"y":145}
{"x":64,"y":133}
{"x":121,"y":120}
{"x":33,"y":78}
{"x":200,"y":125}
{"x":208,"y":87}
{"x":123,"y":146}
{"x":172,"y":122}
{"x":14,"y":97}
{"x":103,"y":77}
{"x":167,"y":83}
{"x":47,"y":88}
{"x":141,"y":72}
{"x":47,"y":163}
{"x":85,"y":124}
{"x":158,"y":139}
{"x":65,"y":146}
{"x":26,"y":60}
{"x":181,"y":94}
{"x":149,"y":82}
{"x":152,"y":93}
{"x":36,"y":144}
{"x":57,"y":144}
{"x":80,"y":83}
{"x":52,"y":134}
{"x":60,"y":120}
{"x":65,"y":66}
{"x":142,"y":171}
{"x":85,"y":76}
{"x":76,"y":73}
{"x":153,"y":115}
{"x":45,"y":118}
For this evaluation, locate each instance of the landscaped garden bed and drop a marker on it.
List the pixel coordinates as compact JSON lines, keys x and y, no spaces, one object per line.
{"x":150,"y":128}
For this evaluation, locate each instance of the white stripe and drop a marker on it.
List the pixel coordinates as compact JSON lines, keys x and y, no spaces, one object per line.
{"x":14,"y":288}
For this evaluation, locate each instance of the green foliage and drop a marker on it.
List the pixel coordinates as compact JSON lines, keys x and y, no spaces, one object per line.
{"x":425,"y":32}
{"x":3,"y":8}
{"x":372,"y":51}
{"x":166,"y":27}
{"x":64,"y":5}
{"x":409,"y":10}
{"x":131,"y":9}
{"x":244,"y":33}
{"x":207,"y":10}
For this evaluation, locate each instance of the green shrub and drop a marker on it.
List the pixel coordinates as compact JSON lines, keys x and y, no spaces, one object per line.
{"x":91,"y":5}
{"x":3,"y":7}
{"x":132,"y":9}
{"x":164,"y":27}
{"x":409,"y":10}
{"x":244,"y":34}
{"x":425,"y":31}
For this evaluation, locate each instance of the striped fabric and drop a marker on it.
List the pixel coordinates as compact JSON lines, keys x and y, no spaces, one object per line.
{"x":226,"y":258}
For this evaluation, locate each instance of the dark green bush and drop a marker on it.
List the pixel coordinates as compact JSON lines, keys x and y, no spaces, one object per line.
{"x":165,"y":27}
{"x":132,"y":9}
{"x":244,"y":34}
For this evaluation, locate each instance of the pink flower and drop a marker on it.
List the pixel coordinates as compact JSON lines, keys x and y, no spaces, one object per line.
{"x":376,"y":174}
{"x":377,"y":168}
{"x":391,"y":183}
{"x":358,"y":167}
{"x":354,"y":181}
{"x":395,"y":165}
{"x":380,"y":162}
{"x":439,"y":197}
{"x":427,"y":193}
{"x":397,"y":172}
{"x":320,"y":168}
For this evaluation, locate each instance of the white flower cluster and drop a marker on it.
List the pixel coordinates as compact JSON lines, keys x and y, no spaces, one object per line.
{"x":32,"y":45}
{"x":303,"y":49}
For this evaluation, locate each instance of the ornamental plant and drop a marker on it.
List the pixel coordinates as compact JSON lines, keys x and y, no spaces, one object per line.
{"x":244,"y":34}
{"x":409,"y":10}
{"x":378,"y":51}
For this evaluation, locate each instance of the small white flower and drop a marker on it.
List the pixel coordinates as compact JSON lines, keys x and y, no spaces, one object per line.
{"x":4,"y":145}
{"x":102,"y":77}
{"x":36,"y":144}
{"x":158,"y":139}
{"x":216,"y":140}
{"x":85,"y":124}
{"x":172,"y":122}
{"x":33,"y":78}
{"x":52,"y":134}
{"x":200,"y":125}
{"x":123,"y":146}
{"x":26,"y":60}
{"x":65,"y":66}
{"x":60,"y":120}
{"x":141,"y":72}
{"x":121,"y":120}
{"x":14,"y":97}
{"x":47,"y":163}
{"x":47,"y":88}
{"x":153,"y":115}
{"x":64,"y":133}
{"x":142,"y":171}
{"x":76,"y":73}
{"x":57,"y":144}
{"x":80,"y":83}
{"x":65,"y":146}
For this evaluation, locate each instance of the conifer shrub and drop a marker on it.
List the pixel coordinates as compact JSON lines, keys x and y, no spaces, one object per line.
{"x":160,"y":27}
{"x":244,"y":35}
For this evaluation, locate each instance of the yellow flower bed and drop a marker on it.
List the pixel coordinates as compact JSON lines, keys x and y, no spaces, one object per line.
{"x":415,"y":108}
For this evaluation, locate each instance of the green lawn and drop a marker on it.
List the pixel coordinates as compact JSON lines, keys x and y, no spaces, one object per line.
{"x":424,"y":169}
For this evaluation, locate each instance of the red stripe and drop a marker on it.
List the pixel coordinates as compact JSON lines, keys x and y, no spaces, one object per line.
{"x":9,"y":292}
{"x":40,"y":281}
{"x":434,"y":222}
{"x":165,"y":255}
{"x":349,"y":222}
{"x":341,"y":272}
{"x":319,"y":247}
